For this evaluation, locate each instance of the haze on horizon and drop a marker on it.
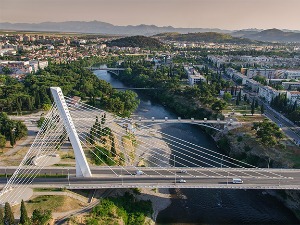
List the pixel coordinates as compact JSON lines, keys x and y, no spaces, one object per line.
{"x":223,"y":14}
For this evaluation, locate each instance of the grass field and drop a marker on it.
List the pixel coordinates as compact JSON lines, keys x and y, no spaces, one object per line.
{"x":52,"y":202}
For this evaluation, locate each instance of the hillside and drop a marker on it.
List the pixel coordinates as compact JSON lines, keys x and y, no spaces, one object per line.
{"x":204,"y":37}
{"x":270,"y":35}
{"x":137,"y":41}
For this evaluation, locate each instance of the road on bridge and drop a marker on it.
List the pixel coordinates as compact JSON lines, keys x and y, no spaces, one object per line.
{"x":169,"y":178}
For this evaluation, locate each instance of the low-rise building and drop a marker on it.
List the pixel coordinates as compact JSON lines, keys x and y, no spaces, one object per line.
{"x":291,"y":85}
{"x":267,"y":73}
{"x":193,"y":76}
{"x":268,"y":93}
{"x":293,"y":96}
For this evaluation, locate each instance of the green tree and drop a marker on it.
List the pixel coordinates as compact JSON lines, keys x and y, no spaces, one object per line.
{"x":40,"y":217}
{"x":227,"y":96}
{"x":12,"y":138}
{"x":1,"y":216}
{"x":2,"y":141}
{"x":24,"y":219}
{"x":9,"y":218}
{"x":40,"y":121}
{"x":268,"y":132}
{"x":256,"y":104}
{"x":218,"y":105}
{"x":262,"y":109}
{"x":240,"y":95}
{"x":252,"y":107}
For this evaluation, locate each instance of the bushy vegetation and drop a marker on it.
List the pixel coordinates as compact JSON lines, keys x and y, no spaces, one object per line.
{"x":205,"y":37}
{"x":34,"y":93}
{"x":126,"y":208}
{"x":187,"y":101}
{"x":39,"y":217}
{"x":11,"y":130}
{"x":268,"y":132}
{"x":137,"y":41}
{"x":290,"y":110}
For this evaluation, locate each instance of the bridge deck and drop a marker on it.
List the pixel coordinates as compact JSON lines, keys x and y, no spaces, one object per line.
{"x":103,"y":177}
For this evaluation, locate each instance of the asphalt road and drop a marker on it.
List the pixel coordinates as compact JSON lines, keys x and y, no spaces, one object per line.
{"x":195,"y":178}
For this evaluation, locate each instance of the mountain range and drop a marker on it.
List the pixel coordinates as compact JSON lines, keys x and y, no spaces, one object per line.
{"x":98,"y":27}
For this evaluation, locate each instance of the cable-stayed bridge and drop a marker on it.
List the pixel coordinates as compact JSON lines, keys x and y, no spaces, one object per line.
{"x":127,"y":156}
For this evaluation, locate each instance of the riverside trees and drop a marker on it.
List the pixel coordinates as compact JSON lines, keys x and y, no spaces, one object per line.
{"x":184,"y":100}
{"x":33,"y":93}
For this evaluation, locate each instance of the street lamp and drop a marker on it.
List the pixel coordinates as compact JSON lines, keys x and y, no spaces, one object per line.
{"x":122,"y":175}
{"x":69,"y":177}
{"x":175,"y":169}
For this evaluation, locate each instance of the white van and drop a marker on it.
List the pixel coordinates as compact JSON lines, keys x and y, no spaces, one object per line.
{"x":139,"y":172}
{"x":237,"y":181}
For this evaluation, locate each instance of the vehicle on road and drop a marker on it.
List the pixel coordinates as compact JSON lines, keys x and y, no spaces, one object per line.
{"x":182,"y":181}
{"x":237,"y":181}
{"x":183,"y":171}
{"x":139,"y":172}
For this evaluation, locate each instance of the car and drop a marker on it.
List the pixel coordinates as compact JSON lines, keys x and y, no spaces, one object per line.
{"x":237,"y":181}
{"x":182,"y":181}
{"x":183,"y":171}
{"x":139,"y":172}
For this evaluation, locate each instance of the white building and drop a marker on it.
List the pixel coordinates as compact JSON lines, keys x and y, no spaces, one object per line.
{"x":291,"y":85}
{"x":194,"y":79}
{"x":268,"y":93}
{"x":293,"y":96}
{"x":193,"y":76}
{"x":292,"y":74}
{"x":267,"y":73}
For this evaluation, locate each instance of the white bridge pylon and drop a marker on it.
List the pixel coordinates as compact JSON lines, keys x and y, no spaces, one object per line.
{"x":82,"y":167}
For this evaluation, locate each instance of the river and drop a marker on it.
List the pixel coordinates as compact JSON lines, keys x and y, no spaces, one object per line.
{"x":208,"y":206}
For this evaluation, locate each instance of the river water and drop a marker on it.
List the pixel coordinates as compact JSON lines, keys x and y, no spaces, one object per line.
{"x":208,"y":206}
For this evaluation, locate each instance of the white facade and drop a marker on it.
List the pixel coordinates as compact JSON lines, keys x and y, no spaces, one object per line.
{"x":268,"y":93}
{"x":293,"y":96}
{"x":267,"y":73}
{"x":291,"y":85}
{"x":193,"y":76}
{"x":292,"y":74}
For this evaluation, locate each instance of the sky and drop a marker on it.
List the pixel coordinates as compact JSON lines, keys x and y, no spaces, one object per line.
{"x":223,"y":14}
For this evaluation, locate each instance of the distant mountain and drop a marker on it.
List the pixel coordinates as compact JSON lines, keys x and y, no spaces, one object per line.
{"x":137,"y":41}
{"x":205,"y":37}
{"x":98,"y":27}
{"x":270,"y":35}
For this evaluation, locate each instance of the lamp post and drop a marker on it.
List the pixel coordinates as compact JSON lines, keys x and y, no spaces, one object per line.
{"x":6,"y":175}
{"x":175,"y":170}
{"x":222,"y":161}
{"x":122,"y":175}
{"x":69,"y":177}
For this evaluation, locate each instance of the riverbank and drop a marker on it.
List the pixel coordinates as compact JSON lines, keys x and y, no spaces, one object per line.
{"x":203,"y":206}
